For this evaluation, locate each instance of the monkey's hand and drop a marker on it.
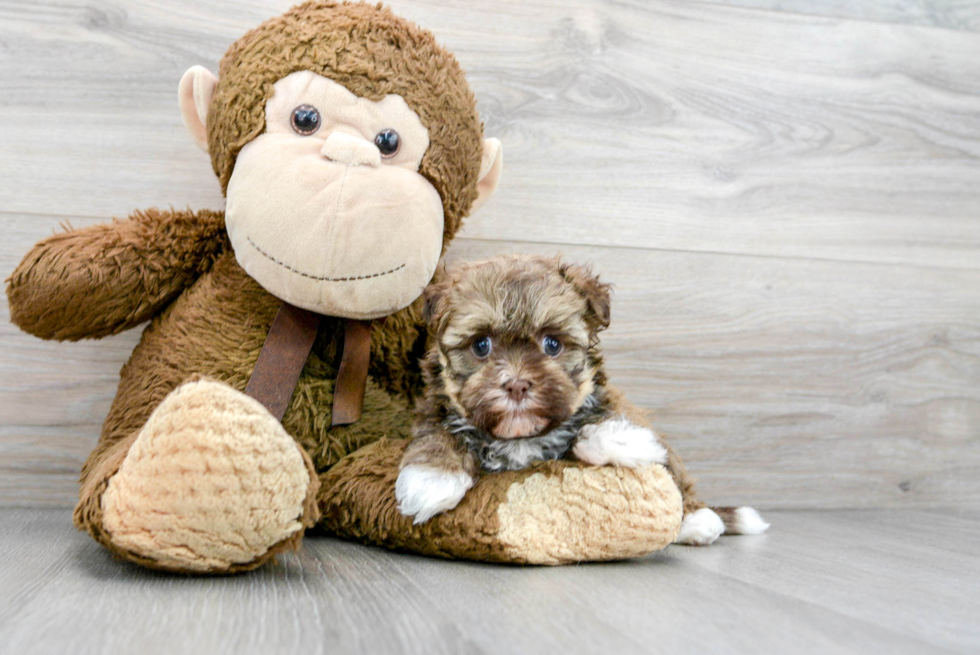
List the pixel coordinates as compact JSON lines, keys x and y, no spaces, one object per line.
{"x":97,"y":281}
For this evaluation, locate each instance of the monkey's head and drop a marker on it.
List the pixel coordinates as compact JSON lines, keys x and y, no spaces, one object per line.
{"x":349,"y":149}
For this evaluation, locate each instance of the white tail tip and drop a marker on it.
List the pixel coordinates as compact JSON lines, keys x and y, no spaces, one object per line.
{"x":748,"y":521}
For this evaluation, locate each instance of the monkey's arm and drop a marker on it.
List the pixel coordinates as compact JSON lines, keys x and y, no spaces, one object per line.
{"x":621,"y":405}
{"x":104,"y":279}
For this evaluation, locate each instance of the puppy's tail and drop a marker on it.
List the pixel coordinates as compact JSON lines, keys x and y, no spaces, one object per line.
{"x":741,"y":520}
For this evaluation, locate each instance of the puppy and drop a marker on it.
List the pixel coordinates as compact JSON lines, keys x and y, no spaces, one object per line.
{"x":514,"y":375}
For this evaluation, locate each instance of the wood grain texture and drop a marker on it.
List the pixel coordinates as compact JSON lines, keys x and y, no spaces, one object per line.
{"x":946,"y":14}
{"x":820,"y":582}
{"x":789,"y":135}
{"x":787,"y":204}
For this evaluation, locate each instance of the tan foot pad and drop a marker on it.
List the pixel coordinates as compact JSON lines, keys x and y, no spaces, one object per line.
{"x":211,"y":482}
{"x":556,"y":512}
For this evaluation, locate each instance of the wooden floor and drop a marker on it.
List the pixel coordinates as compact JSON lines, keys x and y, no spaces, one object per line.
{"x":882,"y":581}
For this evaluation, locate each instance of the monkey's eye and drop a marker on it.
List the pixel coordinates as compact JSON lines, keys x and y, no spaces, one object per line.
{"x":305,"y":120}
{"x":387,"y":142}
{"x":551,"y":346}
{"x":482,"y":347}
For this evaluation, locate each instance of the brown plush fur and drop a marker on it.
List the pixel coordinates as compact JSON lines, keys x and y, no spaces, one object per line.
{"x":209,"y":318}
{"x":112,"y":277}
{"x":372,"y":53}
{"x":215,"y":328}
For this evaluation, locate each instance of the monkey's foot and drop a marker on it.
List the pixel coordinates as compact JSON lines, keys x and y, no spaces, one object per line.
{"x":555,"y":512}
{"x":212,"y":484}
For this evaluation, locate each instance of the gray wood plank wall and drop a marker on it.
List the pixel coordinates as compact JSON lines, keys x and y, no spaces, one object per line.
{"x":784,"y":192}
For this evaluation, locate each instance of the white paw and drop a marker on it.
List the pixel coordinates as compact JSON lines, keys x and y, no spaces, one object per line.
{"x":700,"y":528}
{"x":619,"y":442}
{"x":748,"y":521}
{"x":423,"y":492}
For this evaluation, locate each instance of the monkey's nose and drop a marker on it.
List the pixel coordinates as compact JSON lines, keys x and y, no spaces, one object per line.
{"x":517,"y":389}
{"x":346,"y":149}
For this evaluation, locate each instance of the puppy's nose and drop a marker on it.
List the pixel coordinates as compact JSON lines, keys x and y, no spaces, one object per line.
{"x":517,"y":389}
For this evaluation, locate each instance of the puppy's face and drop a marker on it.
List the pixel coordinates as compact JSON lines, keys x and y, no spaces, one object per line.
{"x":516,"y":341}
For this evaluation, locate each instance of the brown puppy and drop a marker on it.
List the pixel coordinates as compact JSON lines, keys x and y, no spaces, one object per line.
{"x":514,"y":375}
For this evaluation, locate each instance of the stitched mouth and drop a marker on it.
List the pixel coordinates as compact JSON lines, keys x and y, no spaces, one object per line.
{"x":323,"y":278}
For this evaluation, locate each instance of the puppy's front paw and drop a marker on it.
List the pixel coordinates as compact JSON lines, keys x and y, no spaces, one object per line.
{"x":423,"y":491}
{"x":619,"y":442}
{"x":700,"y":528}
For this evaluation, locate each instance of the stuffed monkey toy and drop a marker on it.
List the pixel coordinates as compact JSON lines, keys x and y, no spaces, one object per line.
{"x":271,"y":391}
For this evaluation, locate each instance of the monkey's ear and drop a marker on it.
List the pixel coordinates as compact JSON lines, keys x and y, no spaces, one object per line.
{"x":490,"y":170}
{"x":194,"y":94}
{"x":597,"y":294}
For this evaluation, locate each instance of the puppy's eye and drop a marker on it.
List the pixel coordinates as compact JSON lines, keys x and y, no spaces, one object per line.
{"x":305,"y":120}
{"x":387,"y":142}
{"x":551,"y":346}
{"x":482,"y":347}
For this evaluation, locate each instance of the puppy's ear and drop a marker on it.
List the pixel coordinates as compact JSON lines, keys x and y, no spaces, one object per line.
{"x":597,"y":294}
{"x":436,"y":296}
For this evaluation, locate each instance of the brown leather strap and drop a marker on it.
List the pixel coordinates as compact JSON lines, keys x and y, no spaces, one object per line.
{"x":348,"y":392}
{"x":282,"y":358}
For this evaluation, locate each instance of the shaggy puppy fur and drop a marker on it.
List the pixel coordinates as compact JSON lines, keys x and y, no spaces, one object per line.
{"x":514,"y":375}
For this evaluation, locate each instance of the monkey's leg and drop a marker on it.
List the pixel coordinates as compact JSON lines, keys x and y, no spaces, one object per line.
{"x":212,"y":483}
{"x":702,"y":525}
{"x":556,"y":512}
